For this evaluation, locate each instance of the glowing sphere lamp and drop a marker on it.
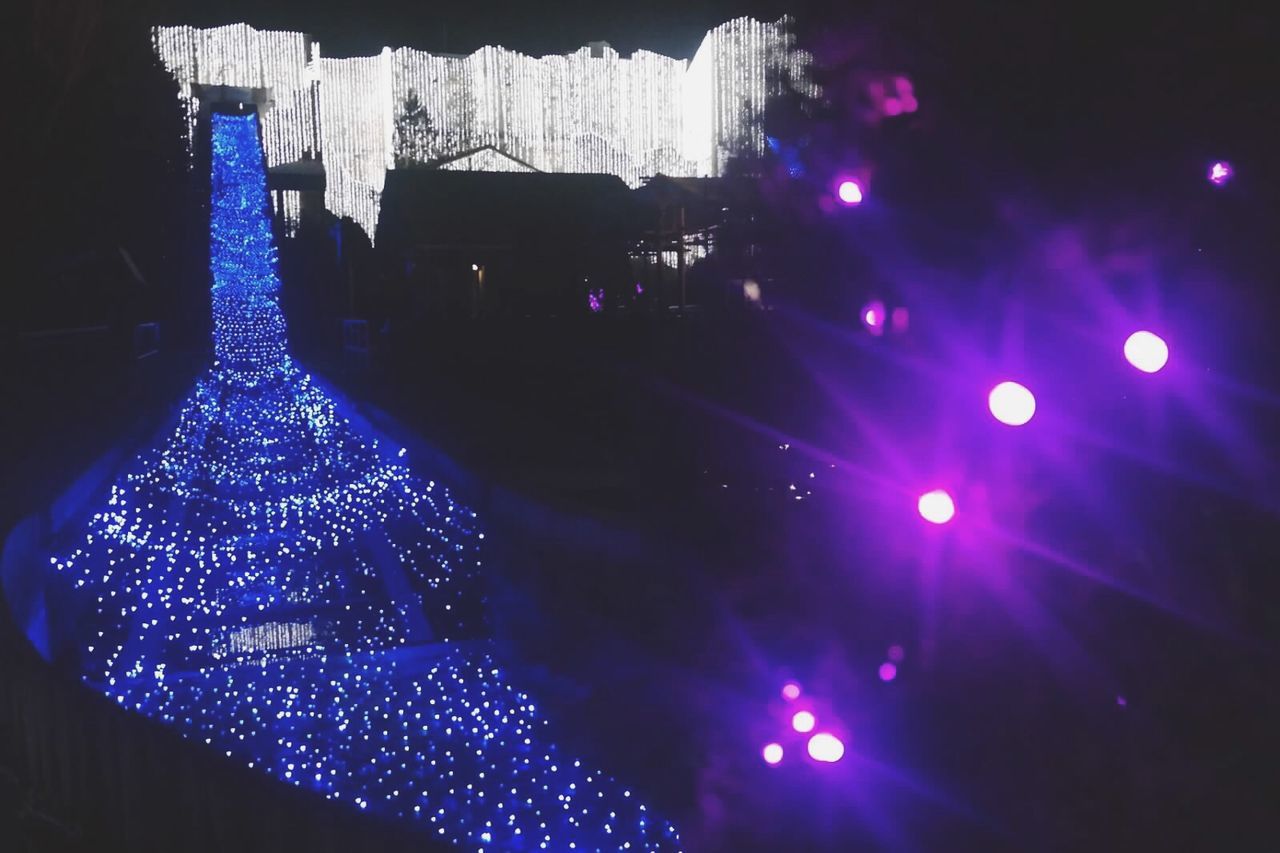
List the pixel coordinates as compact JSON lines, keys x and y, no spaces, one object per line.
{"x":849,"y":192}
{"x":873,"y":316}
{"x":1011,"y":403}
{"x":826,"y":748}
{"x":1146,"y":351}
{"x":937,"y":506}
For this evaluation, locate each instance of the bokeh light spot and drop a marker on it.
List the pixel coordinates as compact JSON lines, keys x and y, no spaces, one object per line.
{"x":1146,"y":351}
{"x":849,"y":192}
{"x":888,"y":671}
{"x":937,"y":506}
{"x":772,"y":753}
{"x":826,"y":748}
{"x":873,"y":316}
{"x":803,"y":721}
{"x":1220,"y":172}
{"x":1012,"y":403}
{"x":900,"y":319}
{"x":791,"y":691}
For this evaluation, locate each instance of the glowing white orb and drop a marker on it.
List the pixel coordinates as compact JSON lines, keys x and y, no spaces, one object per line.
{"x":873,"y":316}
{"x":826,"y":747}
{"x":1011,"y":403}
{"x":849,"y":192}
{"x":772,"y":753}
{"x":791,"y":691}
{"x":1146,"y":351}
{"x":937,"y":506}
{"x":803,"y":721}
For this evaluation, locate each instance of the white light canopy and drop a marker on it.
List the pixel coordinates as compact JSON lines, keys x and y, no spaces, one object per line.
{"x":494,"y":110}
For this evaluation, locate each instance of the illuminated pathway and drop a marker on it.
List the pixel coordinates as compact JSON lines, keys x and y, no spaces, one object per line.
{"x":274,"y":583}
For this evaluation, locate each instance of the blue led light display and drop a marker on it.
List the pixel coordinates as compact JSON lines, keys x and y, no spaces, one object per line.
{"x":278,"y":585}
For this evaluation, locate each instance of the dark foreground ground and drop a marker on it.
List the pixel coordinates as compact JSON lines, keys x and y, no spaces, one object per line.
{"x":657,"y":580}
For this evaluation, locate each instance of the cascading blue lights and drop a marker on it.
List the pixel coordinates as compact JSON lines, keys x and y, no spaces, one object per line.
{"x":274,"y":583}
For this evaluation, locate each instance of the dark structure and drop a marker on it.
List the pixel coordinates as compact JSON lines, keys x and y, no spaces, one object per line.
{"x":502,"y":243}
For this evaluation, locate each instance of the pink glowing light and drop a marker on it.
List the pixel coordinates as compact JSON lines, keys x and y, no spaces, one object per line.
{"x":791,"y":691}
{"x":873,"y":316}
{"x":772,"y":753}
{"x":803,"y":721}
{"x":1011,"y":403}
{"x":826,"y":748}
{"x":896,"y":653}
{"x":1220,"y":172}
{"x":900,"y":319}
{"x":906,"y":94}
{"x":888,"y":671}
{"x":1146,"y":351}
{"x":937,"y":506}
{"x":849,"y":192}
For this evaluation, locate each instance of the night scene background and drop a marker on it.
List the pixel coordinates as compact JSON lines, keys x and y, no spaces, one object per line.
{"x":704,"y":492}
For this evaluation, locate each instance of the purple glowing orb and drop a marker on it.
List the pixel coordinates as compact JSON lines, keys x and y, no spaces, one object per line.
{"x":849,"y":192}
{"x":826,"y":748}
{"x":1146,"y":351}
{"x":900,"y":319}
{"x":888,"y":671}
{"x":791,"y":691}
{"x":1220,"y":172}
{"x":937,"y":506}
{"x":772,"y":753}
{"x":803,"y":721}
{"x":1011,"y":403}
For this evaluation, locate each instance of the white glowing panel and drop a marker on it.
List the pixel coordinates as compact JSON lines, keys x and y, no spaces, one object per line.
{"x":273,"y":636}
{"x":590,"y":111}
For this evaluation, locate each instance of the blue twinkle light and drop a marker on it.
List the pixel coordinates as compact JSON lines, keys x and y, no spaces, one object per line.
{"x":276,"y":584}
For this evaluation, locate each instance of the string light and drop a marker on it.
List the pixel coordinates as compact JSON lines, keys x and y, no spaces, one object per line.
{"x":275,"y":583}
{"x":588,"y":111}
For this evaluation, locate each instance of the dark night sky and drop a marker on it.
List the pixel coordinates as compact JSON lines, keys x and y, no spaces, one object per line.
{"x":536,"y":26}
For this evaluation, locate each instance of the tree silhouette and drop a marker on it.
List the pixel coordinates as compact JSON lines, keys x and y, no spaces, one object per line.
{"x":415,"y":135}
